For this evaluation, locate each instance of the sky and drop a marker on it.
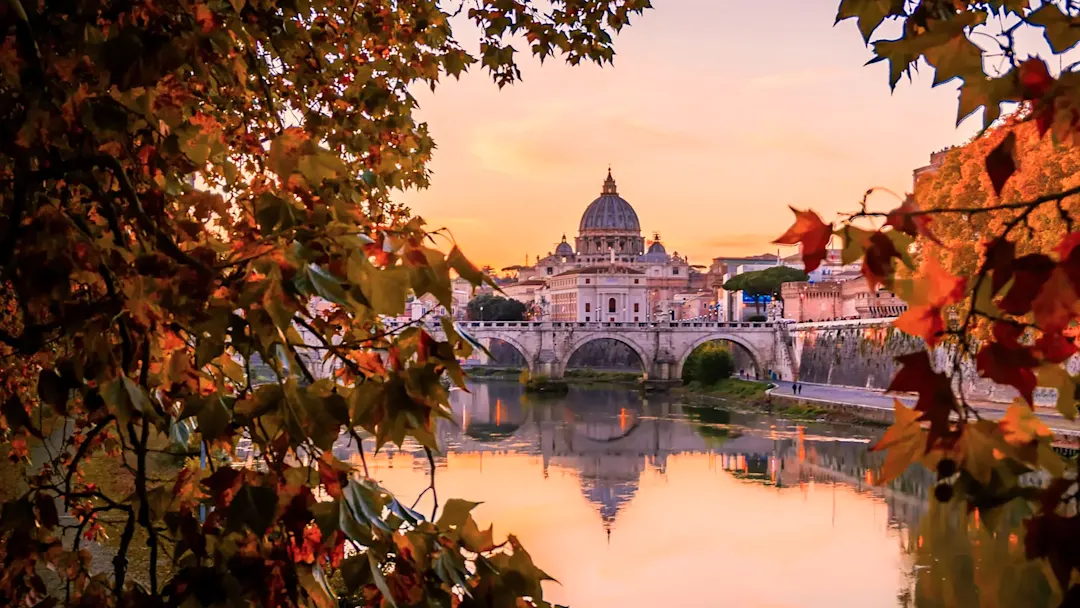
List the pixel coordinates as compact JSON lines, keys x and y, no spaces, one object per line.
{"x":715,"y":117}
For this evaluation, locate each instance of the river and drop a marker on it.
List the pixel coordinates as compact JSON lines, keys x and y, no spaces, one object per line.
{"x":643,"y":501}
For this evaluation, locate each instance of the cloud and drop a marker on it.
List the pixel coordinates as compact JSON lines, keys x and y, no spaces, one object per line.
{"x":539,"y":144}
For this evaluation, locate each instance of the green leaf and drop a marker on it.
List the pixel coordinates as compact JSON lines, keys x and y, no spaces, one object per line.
{"x":957,"y":58}
{"x":326,"y":285}
{"x":321,"y":165}
{"x":253,"y":507}
{"x":455,"y":512}
{"x":213,"y":418}
{"x":465,"y":268}
{"x":987,"y":93}
{"x":380,"y":580}
{"x":1062,"y":31}
{"x":869,"y":13}
{"x":386,"y":290}
{"x":53,"y":391}
{"x":855,"y":241}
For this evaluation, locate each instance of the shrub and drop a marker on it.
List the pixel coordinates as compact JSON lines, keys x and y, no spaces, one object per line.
{"x":757,"y":318}
{"x":708,"y":364}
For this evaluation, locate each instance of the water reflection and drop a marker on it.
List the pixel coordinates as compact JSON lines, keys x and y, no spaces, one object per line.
{"x":647,"y":502}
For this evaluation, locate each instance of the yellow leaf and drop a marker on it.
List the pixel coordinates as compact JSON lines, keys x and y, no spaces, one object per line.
{"x":903,"y":442}
{"x":1058,"y":378}
{"x":978,"y":442}
{"x":1021,"y":426}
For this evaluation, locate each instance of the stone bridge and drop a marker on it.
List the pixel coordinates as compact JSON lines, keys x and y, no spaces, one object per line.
{"x":662,"y":347}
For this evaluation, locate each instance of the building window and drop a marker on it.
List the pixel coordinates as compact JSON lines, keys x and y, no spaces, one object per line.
{"x":587,"y":281}
{"x":611,"y":305}
{"x":586,"y":319}
{"x":636,"y":281}
{"x":588,"y":307}
{"x":635,"y":319}
{"x":674,"y":271}
{"x":637,"y":307}
{"x":549,"y":270}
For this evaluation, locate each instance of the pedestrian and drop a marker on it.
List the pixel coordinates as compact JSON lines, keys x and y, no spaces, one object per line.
{"x":795,"y":388}
{"x":800,"y":388}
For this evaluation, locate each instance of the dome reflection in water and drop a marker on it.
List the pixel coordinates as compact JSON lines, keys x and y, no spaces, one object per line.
{"x":632,"y":501}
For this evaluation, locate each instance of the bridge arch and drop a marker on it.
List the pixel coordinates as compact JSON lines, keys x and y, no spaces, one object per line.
{"x":530,"y":357}
{"x":592,"y":337}
{"x":755,"y":356}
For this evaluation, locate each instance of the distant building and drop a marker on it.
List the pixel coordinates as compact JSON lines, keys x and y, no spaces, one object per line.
{"x":850,"y":298}
{"x":936,"y":160}
{"x":609,"y":234}
{"x":610,"y":293}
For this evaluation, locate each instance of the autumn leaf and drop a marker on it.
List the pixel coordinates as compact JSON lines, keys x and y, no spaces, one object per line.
{"x":868,"y":13}
{"x":878,"y":263}
{"x":1029,"y":274}
{"x":1001,"y":162}
{"x":906,"y":219}
{"x":1059,"y":379}
{"x":811,"y":234}
{"x":903,"y":441}
{"x":1021,"y":426}
{"x":1009,"y":366}
{"x":940,"y":289}
{"x":1035,"y":78}
{"x":936,"y":400}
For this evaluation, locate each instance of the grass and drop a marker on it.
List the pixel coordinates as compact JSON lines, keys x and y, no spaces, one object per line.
{"x":593,"y":375}
{"x":544,"y":384}
{"x":493,"y":372}
{"x":733,"y":388}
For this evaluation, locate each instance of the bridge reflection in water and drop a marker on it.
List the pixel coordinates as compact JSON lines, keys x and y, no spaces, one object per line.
{"x":673,"y":490}
{"x":611,"y":437}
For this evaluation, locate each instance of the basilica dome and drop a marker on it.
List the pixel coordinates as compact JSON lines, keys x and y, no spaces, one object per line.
{"x":609,"y":213}
{"x":564,"y":248}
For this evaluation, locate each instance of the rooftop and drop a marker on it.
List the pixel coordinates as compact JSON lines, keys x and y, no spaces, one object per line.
{"x":603,"y":269}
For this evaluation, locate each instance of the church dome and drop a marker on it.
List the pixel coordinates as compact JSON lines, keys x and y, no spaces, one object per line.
{"x":656,"y":253}
{"x":564,"y":248}
{"x":610,"y":212}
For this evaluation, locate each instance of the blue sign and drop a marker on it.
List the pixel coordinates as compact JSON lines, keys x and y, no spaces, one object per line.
{"x":749,"y":299}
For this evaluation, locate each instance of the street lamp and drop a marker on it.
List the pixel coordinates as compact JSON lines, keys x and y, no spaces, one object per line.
{"x":481,"y":312}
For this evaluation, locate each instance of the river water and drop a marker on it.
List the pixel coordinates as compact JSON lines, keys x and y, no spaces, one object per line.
{"x":644,"y":501}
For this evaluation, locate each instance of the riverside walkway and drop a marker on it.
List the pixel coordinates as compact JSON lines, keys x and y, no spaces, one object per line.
{"x":877,"y":399}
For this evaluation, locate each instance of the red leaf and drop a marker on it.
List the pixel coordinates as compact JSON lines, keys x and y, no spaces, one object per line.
{"x":47,"y":513}
{"x":1009,"y":366}
{"x":902,"y":219}
{"x":223,"y":485}
{"x":1055,"y":347}
{"x":1035,"y":78}
{"x":329,"y":475}
{"x":877,"y":264}
{"x":1000,"y":255}
{"x":936,"y":400}
{"x":1001,"y":162}
{"x":813,"y":235}
{"x":1031,"y":273}
{"x":1070,"y":258}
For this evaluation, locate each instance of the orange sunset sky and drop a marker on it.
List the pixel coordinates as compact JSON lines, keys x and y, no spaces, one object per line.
{"x":715,"y":117}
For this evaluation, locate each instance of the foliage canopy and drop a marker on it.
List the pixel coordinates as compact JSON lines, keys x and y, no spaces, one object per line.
{"x":765,"y":282}
{"x":489,"y":307}
{"x":186,"y":187}
{"x":1001,"y":302}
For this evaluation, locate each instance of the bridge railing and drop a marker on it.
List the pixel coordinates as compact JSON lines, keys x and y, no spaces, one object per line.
{"x":601,"y":325}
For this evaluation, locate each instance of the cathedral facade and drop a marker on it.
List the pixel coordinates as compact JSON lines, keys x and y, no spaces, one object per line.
{"x":609,"y":242}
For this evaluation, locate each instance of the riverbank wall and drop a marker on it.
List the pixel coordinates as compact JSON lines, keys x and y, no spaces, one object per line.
{"x":862,"y":353}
